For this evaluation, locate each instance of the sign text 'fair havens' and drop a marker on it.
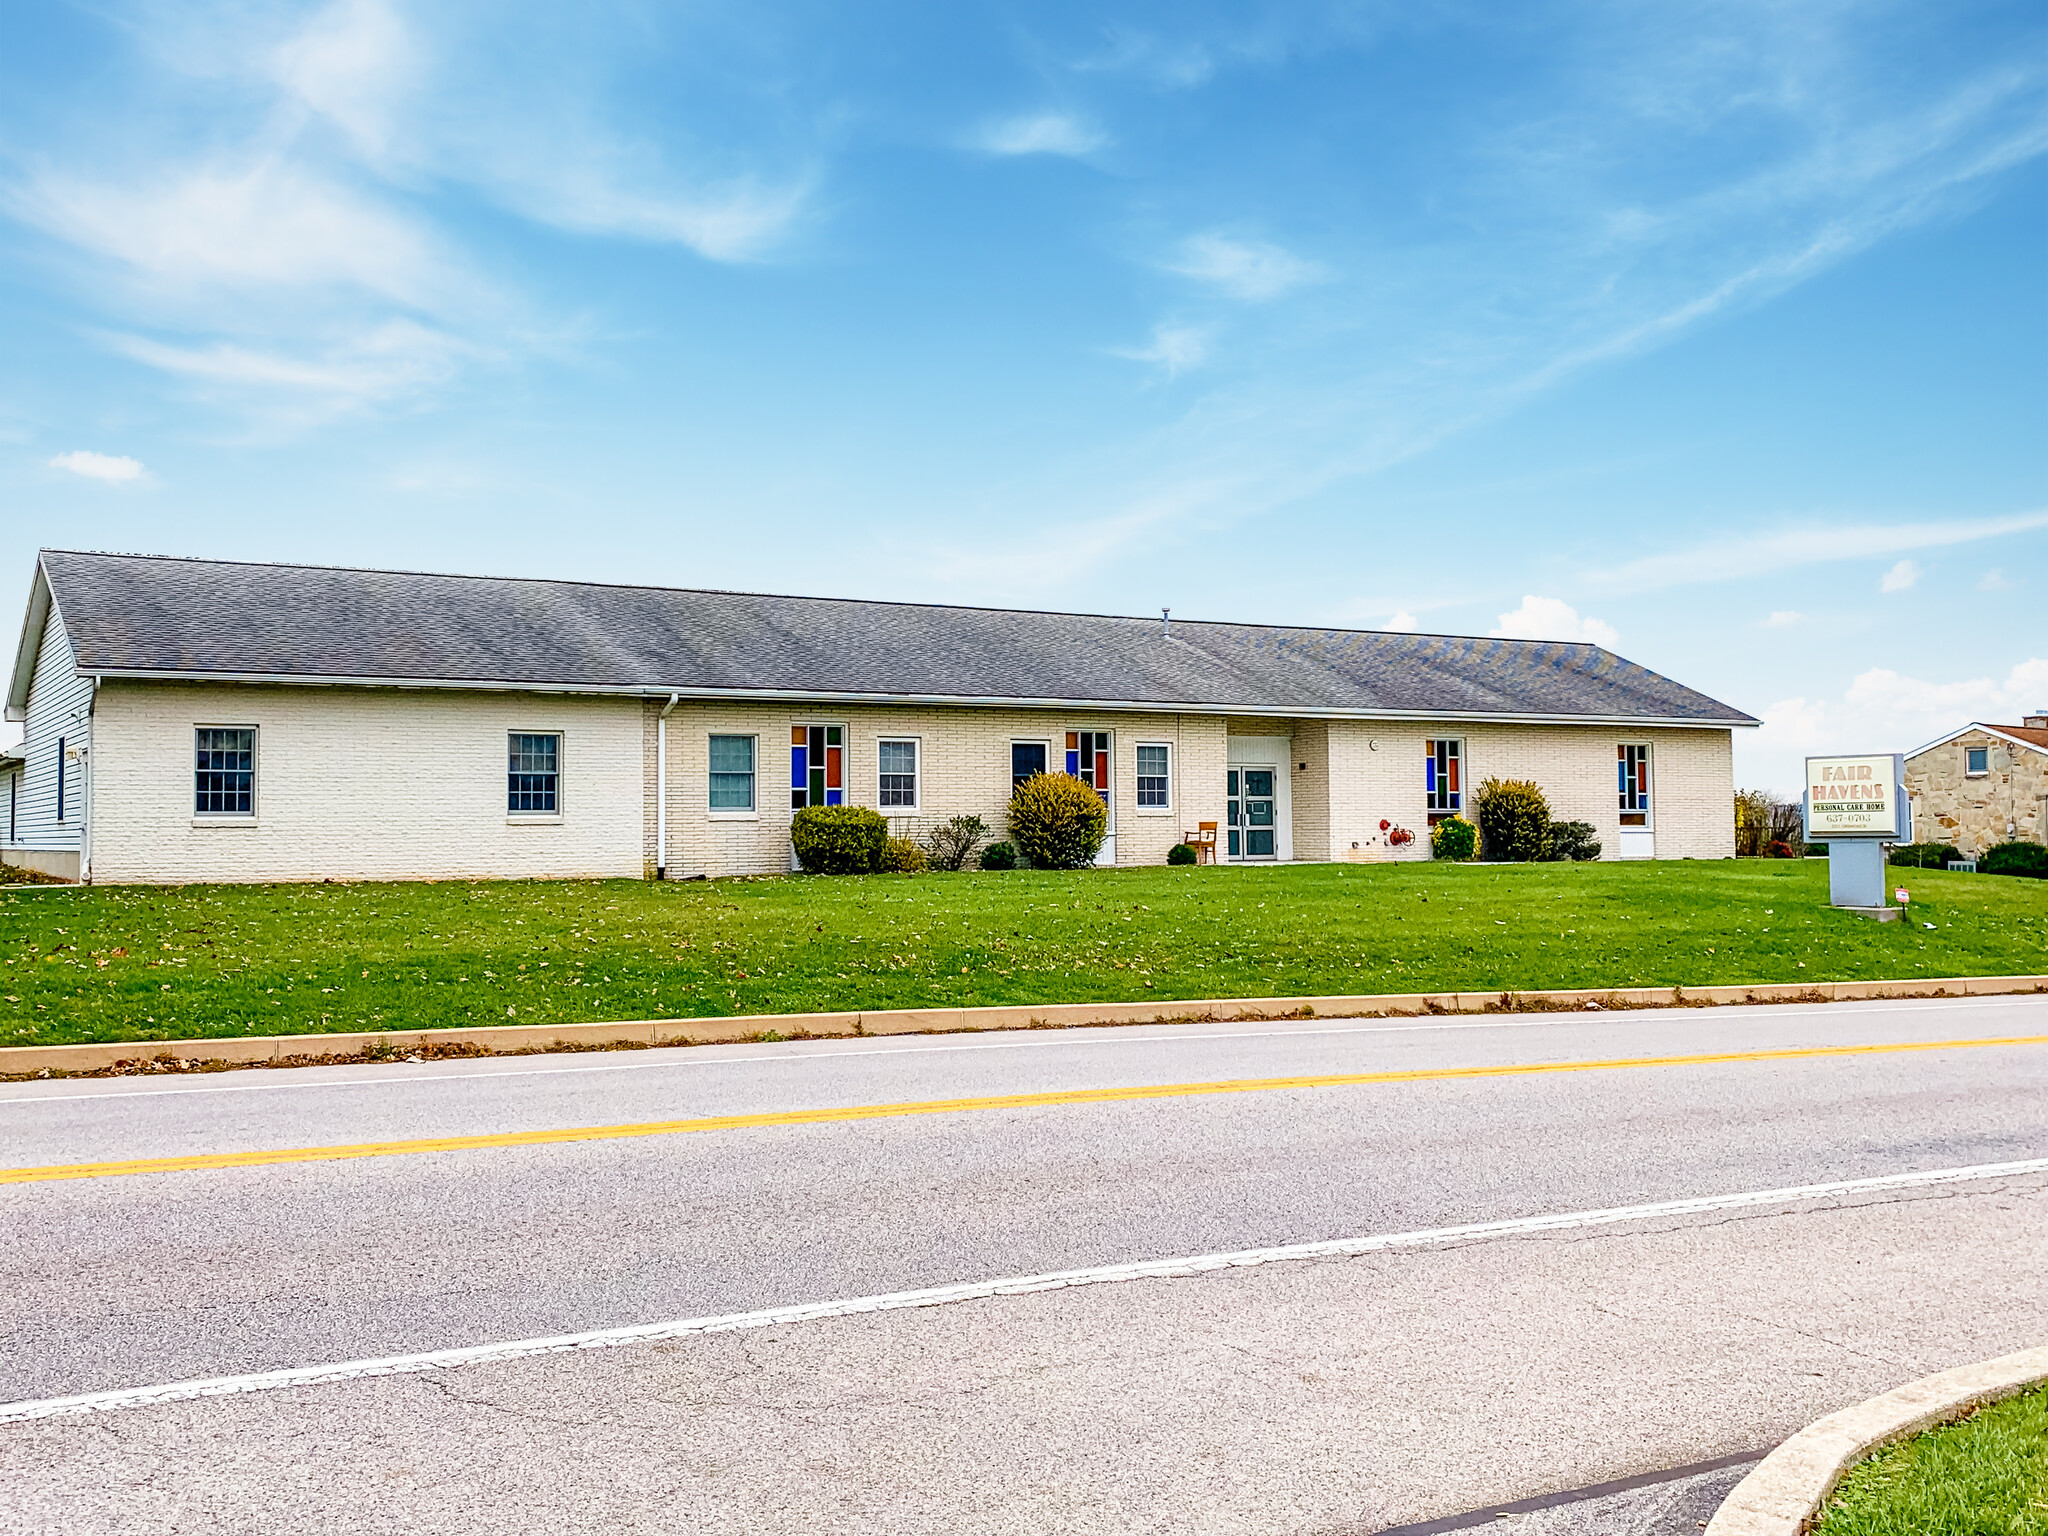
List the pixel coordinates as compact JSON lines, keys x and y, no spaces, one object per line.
{"x":1851,"y":795}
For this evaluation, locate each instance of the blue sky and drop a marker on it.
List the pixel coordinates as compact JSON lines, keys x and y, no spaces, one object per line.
{"x":1715,"y":333}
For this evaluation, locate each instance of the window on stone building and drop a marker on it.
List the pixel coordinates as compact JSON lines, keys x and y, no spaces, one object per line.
{"x":1978,"y":761}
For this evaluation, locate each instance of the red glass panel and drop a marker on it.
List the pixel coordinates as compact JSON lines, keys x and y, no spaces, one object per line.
{"x":832,"y":756}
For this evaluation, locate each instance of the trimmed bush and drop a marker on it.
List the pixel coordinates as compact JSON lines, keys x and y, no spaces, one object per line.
{"x":838,"y":839}
{"x":1572,"y":840}
{"x":1923,"y":855}
{"x":2029,"y":860}
{"x":1057,"y":822}
{"x":1181,"y":853}
{"x":1453,"y":838}
{"x":1514,"y":820}
{"x":900,"y":856}
{"x":999,"y":856}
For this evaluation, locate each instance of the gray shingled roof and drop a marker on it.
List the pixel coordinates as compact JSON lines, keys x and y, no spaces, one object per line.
{"x":140,"y":615}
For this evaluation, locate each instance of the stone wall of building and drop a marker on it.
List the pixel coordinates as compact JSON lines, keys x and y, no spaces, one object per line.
{"x":2008,"y":801}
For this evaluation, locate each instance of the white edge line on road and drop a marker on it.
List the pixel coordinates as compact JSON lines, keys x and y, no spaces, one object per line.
{"x":689,"y":1056}
{"x":1018,"y":1285}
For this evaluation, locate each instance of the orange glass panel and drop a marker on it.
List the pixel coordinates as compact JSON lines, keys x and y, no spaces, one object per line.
{"x":798,"y":735}
{"x":1073,"y":741}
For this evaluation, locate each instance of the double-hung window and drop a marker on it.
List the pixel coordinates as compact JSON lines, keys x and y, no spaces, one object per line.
{"x":897,"y":763}
{"x":1632,"y":768}
{"x":533,"y":774}
{"x":732,"y":773}
{"x":224,"y":778}
{"x":1026,"y":759}
{"x":1976,"y":761}
{"x":1443,"y":782}
{"x":1155,"y":785}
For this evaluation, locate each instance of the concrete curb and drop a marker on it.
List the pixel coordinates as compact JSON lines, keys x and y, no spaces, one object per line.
{"x":259,"y":1050}
{"x":1785,"y":1493}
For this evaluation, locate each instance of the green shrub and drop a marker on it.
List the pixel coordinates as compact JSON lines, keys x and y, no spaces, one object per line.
{"x":900,"y":856}
{"x":1923,"y":855}
{"x":2027,"y":859}
{"x":999,"y":856}
{"x":1057,"y":822}
{"x":1453,"y":838}
{"x":948,"y":846}
{"x":1181,"y":853}
{"x":838,"y":839}
{"x":1572,"y":840}
{"x":1514,"y":820}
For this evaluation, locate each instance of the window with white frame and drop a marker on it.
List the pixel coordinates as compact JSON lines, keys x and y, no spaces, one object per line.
{"x":1026,"y":759}
{"x":732,"y":773}
{"x":1977,"y":761}
{"x":224,"y":775}
{"x":1155,"y":780}
{"x":896,"y":763}
{"x":1632,"y":768}
{"x":533,"y":774}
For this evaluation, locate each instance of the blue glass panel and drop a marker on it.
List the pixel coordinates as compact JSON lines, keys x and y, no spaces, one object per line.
{"x":1074,"y":764}
{"x":798,"y":777}
{"x":1429,"y":773}
{"x":834,"y":796}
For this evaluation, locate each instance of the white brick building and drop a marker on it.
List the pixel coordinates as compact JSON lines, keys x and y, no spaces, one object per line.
{"x":196,"y":720}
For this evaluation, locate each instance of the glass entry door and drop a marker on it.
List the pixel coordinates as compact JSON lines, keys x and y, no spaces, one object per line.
{"x":1250,"y":813}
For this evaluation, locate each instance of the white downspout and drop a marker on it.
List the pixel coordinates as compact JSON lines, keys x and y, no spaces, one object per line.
{"x":661,"y":788}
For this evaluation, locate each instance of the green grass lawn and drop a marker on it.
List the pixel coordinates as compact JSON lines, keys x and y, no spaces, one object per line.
{"x":134,"y":963}
{"x":1984,"y":1476}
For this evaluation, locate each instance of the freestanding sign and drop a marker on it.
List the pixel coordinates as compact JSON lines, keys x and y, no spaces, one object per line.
{"x":1856,"y":805}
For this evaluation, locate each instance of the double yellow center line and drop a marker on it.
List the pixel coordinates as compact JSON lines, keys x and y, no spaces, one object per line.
{"x":210,"y":1160}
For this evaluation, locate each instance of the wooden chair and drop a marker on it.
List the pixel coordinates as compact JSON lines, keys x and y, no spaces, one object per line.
{"x":1203,"y":841}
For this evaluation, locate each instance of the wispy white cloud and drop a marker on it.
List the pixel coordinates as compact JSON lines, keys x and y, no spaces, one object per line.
{"x":1402,"y":622}
{"x":1041,"y":133}
{"x":1819,"y":543}
{"x":1883,"y":710}
{"x":1902,"y":577}
{"x":108,"y":468}
{"x":1784,"y":618}
{"x":1551,"y":618}
{"x":1995,"y":580}
{"x":1252,"y":270}
{"x":1176,"y":348}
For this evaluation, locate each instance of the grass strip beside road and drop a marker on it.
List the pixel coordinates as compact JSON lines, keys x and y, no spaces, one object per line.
{"x":1982,"y":1475}
{"x":206,"y":1161}
{"x":116,"y":963}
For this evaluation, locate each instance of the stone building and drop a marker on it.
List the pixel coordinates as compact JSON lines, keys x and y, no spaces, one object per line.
{"x":1982,"y":785}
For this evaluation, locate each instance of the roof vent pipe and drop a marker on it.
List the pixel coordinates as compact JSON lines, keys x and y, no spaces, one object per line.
{"x":1166,"y":622}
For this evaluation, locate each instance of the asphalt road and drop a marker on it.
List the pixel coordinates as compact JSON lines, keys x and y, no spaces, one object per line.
{"x":1334,"y":1395}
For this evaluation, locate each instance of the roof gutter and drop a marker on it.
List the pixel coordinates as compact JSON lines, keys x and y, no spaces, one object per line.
{"x":953,"y":700}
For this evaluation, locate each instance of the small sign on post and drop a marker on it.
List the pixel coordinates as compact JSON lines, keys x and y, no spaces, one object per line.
{"x":1856,"y":805}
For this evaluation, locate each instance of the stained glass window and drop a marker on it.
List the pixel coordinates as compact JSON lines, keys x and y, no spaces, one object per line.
{"x":1632,"y":768}
{"x":817,"y":765}
{"x":1442,"y":786}
{"x":1088,"y":760}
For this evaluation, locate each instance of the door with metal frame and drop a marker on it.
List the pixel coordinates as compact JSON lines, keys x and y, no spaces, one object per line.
{"x":1249,"y":812}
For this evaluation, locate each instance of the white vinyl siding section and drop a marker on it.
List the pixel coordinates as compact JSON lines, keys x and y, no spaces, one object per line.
{"x":59,"y":707}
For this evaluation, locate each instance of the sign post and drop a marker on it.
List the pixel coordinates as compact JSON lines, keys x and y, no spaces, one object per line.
{"x":1856,"y":805}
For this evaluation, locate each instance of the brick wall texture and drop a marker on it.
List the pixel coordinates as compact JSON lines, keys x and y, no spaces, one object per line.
{"x":393,"y":783}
